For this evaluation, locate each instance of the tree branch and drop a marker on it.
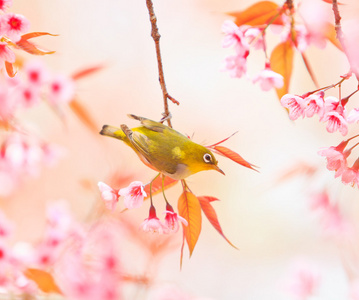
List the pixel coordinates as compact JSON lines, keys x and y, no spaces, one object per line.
{"x":156,"y":37}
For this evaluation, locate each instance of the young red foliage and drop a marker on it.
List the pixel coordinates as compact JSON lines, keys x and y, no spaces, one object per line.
{"x":85,"y":72}
{"x":205,"y":202}
{"x":31,"y":35}
{"x":29,"y":47}
{"x":157,"y":185}
{"x":83,"y":114}
{"x":233,"y":156}
{"x":281,"y":61}
{"x":260,"y":13}
{"x":190,"y":209}
{"x":43,"y":279}
{"x":10,"y":69}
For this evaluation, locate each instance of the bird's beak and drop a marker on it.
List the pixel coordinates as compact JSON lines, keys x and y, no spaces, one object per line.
{"x":218,"y":169}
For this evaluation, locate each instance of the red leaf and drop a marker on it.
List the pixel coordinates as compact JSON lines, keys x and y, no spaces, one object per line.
{"x":157,"y":185}
{"x":260,"y":13}
{"x":10,"y":69}
{"x":222,"y":141}
{"x":281,"y":61}
{"x":209,"y":198}
{"x":85,"y":72}
{"x":83,"y":114}
{"x":234,"y":156}
{"x":43,"y":279}
{"x":212,"y":216}
{"x":29,"y":47}
{"x":31,"y":35}
{"x":190,"y":209}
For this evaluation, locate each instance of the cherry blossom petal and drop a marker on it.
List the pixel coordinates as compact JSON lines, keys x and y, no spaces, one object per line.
{"x":268,"y":79}
{"x":314,"y":104}
{"x":109,"y":195}
{"x":133,"y":194}
{"x":295,"y":104}
{"x":236,"y":65}
{"x":14,"y":25}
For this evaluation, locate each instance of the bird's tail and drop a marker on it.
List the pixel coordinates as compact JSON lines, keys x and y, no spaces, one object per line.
{"x":112,"y":132}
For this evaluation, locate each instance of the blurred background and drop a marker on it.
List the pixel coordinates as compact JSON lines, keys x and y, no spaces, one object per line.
{"x":265,"y":216}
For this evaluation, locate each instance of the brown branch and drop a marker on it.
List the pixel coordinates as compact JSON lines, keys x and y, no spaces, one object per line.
{"x":156,"y":37}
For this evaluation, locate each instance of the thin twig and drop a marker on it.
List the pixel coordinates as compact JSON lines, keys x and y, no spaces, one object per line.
{"x":156,"y":37}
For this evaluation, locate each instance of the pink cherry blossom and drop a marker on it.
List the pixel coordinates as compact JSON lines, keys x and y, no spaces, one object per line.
{"x":303,"y":280}
{"x":331,"y":104}
{"x":234,"y":37}
{"x":236,"y":65}
{"x":254,"y":35}
{"x":8,"y":104}
{"x":336,"y":121}
{"x":14,"y":25}
{"x":295,"y":104}
{"x":306,"y":37}
{"x":172,"y":220}
{"x":5,"y":4}
{"x":109,"y":195}
{"x":314,"y":104}
{"x":29,"y":96}
{"x":336,"y":158}
{"x":353,"y":116}
{"x":268,"y":79}
{"x":6,"y":54}
{"x":36,"y":73}
{"x":133,"y":194}
{"x":61,"y":90}
{"x":152,"y":223}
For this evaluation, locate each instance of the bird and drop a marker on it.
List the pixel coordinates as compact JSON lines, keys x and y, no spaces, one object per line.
{"x":164,"y":149}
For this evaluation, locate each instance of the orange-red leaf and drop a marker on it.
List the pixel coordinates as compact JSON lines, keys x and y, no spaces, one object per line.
{"x":260,"y":13}
{"x":281,"y":61}
{"x":331,"y":35}
{"x":190,"y":209}
{"x":85,"y":72}
{"x":10,"y":69}
{"x":83,"y":114}
{"x":43,"y":279}
{"x":31,"y":35}
{"x":212,"y":216}
{"x":29,"y":47}
{"x":233,"y":156}
{"x":157,"y":185}
{"x":209,"y":198}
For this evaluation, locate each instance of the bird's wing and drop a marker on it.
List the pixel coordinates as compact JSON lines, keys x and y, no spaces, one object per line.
{"x":149,"y":150}
{"x":149,"y":124}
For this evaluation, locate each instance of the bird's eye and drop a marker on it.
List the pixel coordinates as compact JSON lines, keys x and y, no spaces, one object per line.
{"x":207,"y":158}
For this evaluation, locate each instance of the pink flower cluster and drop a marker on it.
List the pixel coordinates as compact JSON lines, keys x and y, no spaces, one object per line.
{"x":329,"y":109}
{"x":27,"y":91}
{"x":241,"y":38}
{"x":134,"y":195}
{"x":337,"y":161}
{"x":332,"y":220}
{"x":12,"y":26}
{"x":85,"y":263}
{"x":22,"y":155}
{"x":303,"y":280}
{"x":13,"y":262}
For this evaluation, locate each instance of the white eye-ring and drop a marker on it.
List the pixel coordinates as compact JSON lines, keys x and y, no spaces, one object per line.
{"x":207,"y":158}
